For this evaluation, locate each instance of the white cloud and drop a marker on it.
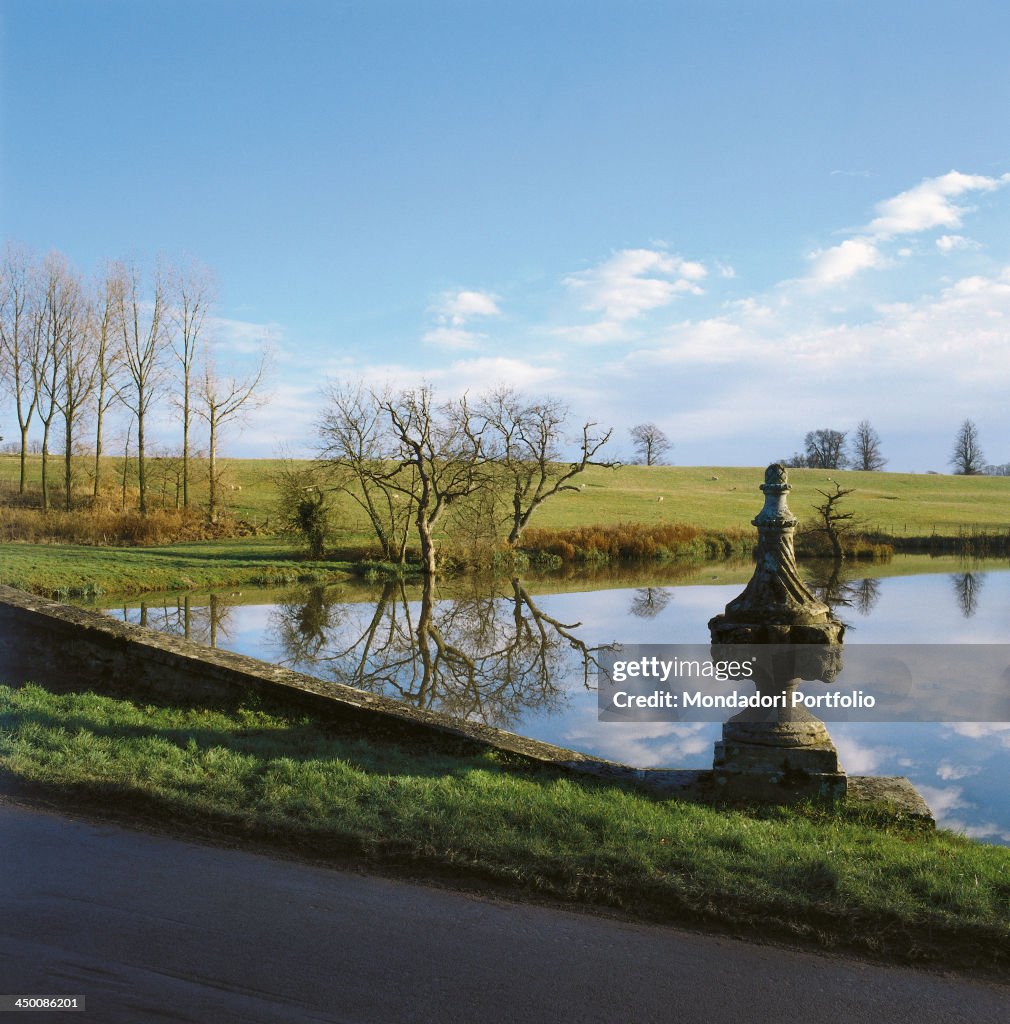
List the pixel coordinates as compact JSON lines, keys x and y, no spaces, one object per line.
{"x":950,"y":772}
{"x":951,"y":243}
{"x":458,"y":307}
{"x":943,"y":799}
{"x":981,"y":730}
{"x":600,"y":333}
{"x":243,"y":337}
{"x":635,"y":281}
{"x":485,"y":372}
{"x":857,"y":758}
{"x":840,"y":262}
{"x":929,"y":204}
{"x":453,"y":338}
{"x":453,"y":311}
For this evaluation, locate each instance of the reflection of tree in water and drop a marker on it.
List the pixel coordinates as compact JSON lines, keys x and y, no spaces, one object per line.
{"x":649,"y":602}
{"x":206,"y":624}
{"x":483,"y":656}
{"x":967,"y":586}
{"x":865,"y":595}
{"x":835,"y":584}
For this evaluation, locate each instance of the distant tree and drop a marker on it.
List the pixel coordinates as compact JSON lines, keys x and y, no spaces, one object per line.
{"x":866,"y":448}
{"x":825,"y":449}
{"x":20,"y":337}
{"x":651,"y":444}
{"x":107,"y":303}
{"x":191,"y":289}
{"x":142,"y":322}
{"x":220,"y":400}
{"x":966,"y":456}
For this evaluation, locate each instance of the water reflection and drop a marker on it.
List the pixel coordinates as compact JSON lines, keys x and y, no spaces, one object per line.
{"x":840,"y":585}
{"x":488,"y":655}
{"x":967,"y":587}
{"x":649,"y":602}
{"x":203,"y":618}
{"x":961,"y":768}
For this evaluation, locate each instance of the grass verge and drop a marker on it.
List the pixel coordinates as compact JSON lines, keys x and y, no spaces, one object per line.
{"x":853,"y":880}
{"x":62,"y":571}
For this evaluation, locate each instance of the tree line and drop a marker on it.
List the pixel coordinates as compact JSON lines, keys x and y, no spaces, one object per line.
{"x":75,"y":350}
{"x":837,"y":449}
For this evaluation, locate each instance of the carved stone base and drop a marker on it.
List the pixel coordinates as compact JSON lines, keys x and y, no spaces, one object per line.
{"x":783,"y":760}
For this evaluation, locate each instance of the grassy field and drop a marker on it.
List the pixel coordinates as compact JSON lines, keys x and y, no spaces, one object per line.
{"x":846,"y":879}
{"x":714,"y":497}
{"x":711,"y":498}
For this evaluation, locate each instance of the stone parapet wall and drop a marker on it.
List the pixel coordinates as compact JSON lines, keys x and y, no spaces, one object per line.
{"x":45,"y":642}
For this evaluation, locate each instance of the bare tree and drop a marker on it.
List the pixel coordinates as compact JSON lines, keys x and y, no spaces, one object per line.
{"x":833,"y":523}
{"x":144,"y":331}
{"x":967,"y":456}
{"x":825,"y":449}
{"x":20,"y":336}
{"x":221,"y":400}
{"x":357,"y":447}
{"x":444,"y":450}
{"x":191,"y":294}
{"x":866,"y":448}
{"x":651,"y":444}
{"x":526,"y":446}
{"x":108,"y":304}
{"x":78,"y":372}
{"x":63,"y":322}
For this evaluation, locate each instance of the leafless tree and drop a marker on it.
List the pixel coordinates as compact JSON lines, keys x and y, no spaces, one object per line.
{"x":443,"y":449}
{"x":825,"y":449}
{"x":651,"y":444}
{"x":357,"y":447}
{"x":64,"y":323}
{"x":77,"y":376}
{"x":145,"y":334}
{"x":525,"y":445}
{"x":833,"y":522}
{"x":866,"y":448}
{"x":219,"y":401}
{"x":108,"y":304}
{"x":967,"y":456}
{"x":191,"y":292}
{"x":20,"y":336}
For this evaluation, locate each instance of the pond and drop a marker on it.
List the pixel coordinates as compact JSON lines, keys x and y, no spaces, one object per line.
{"x":520,"y":655}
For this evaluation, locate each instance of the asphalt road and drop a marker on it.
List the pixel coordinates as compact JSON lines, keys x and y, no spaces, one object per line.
{"x":149,"y":928}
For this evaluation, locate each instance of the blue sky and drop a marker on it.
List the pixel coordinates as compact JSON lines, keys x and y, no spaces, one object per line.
{"x":742,"y":220}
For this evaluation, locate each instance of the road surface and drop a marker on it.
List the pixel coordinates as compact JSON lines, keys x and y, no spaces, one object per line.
{"x":150,"y":928}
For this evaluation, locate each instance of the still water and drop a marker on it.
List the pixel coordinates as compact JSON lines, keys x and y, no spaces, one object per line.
{"x":521,"y":655}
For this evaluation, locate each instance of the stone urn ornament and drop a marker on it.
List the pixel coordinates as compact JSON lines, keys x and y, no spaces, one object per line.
{"x":781,"y":753}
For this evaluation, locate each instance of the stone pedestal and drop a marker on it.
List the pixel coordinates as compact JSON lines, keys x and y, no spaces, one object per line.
{"x":783,"y":760}
{"x":784,"y":754}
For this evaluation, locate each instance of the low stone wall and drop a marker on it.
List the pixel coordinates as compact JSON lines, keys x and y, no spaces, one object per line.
{"x":44,"y":641}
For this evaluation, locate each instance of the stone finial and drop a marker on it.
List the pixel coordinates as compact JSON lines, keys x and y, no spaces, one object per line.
{"x":776,"y":606}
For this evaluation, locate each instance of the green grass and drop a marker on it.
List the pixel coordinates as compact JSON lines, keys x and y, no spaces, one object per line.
{"x":67,"y":570}
{"x":899,"y":503}
{"x":710,"y":498}
{"x":843,"y":879}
